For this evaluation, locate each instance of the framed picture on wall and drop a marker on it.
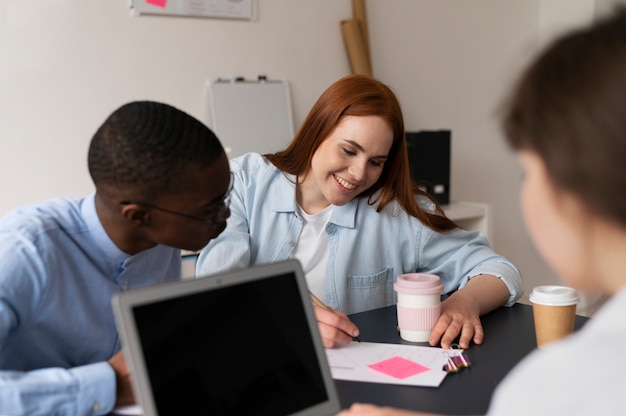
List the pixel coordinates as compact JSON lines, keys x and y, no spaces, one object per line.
{"x":217,"y":9}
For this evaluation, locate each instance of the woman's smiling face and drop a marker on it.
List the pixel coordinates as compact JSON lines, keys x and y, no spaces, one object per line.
{"x":349,"y":161}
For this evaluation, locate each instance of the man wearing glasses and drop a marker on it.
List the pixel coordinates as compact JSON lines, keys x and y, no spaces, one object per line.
{"x":162,"y":184}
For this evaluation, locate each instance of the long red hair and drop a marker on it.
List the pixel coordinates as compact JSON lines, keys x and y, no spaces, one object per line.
{"x":360,"y":95}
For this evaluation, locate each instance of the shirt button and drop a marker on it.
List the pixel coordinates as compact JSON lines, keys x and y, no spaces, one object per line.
{"x":292,"y":243}
{"x":95,"y":407}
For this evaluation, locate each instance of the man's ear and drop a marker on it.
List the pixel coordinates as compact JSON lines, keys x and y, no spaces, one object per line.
{"x":136,"y":214}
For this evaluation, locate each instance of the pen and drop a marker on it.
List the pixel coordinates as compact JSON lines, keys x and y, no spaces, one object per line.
{"x":322,"y":305}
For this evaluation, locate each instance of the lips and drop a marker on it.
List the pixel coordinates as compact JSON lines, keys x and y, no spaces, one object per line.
{"x":344,"y":183}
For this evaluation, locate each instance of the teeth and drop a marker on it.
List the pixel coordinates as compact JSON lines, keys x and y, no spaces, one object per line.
{"x":345,"y":184}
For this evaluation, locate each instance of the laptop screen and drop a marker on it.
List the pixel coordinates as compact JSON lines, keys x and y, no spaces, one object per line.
{"x":238,"y":349}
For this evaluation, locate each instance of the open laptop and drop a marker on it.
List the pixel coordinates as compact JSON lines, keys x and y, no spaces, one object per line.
{"x":244,"y":342}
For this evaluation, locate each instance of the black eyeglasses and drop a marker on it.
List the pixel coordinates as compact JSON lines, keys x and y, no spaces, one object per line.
{"x":219,"y":218}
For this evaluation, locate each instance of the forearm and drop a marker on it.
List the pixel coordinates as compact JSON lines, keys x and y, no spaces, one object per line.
{"x":88,"y":389}
{"x":488,"y":292}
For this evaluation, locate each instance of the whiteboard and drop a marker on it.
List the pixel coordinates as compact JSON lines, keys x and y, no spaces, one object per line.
{"x":250,"y":116}
{"x":224,"y":9}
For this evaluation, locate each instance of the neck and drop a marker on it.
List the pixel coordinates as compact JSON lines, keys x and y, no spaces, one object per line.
{"x":609,"y":246}
{"x":310,"y":199}
{"x":124,"y":234}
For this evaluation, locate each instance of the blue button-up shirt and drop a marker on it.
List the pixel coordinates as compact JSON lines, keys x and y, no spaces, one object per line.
{"x":367,"y":250}
{"x":58,"y":273}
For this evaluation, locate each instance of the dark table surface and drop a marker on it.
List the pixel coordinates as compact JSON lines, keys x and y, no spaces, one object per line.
{"x":509,"y":336}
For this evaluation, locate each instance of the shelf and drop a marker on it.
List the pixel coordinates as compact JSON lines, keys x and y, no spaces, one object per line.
{"x":473,"y":216}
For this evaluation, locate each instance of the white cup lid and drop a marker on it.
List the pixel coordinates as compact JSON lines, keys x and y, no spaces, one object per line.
{"x":554,"y":295}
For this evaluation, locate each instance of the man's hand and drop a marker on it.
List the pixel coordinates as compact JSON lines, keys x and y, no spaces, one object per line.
{"x":123,"y":383}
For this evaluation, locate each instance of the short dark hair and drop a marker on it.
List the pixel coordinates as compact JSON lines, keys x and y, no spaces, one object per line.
{"x":569,"y":107}
{"x":144,"y":146}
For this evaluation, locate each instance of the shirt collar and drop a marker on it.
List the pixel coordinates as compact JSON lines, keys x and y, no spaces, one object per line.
{"x":286,"y":194}
{"x":343,"y":216}
{"x":101,"y":238}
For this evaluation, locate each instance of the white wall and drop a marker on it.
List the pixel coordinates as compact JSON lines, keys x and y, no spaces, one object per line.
{"x":451,"y":63}
{"x":66,"y":64}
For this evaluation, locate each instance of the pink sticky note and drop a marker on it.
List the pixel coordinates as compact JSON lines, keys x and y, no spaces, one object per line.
{"x":158,"y":3}
{"x":398,"y":367}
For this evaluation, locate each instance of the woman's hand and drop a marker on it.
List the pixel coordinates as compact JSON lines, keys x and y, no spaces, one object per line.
{"x":335,"y":327}
{"x":459,"y":316}
{"x":460,"y":313}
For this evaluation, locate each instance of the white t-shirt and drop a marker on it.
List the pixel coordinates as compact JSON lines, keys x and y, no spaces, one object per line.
{"x":581,"y":375}
{"x":312,"y":248}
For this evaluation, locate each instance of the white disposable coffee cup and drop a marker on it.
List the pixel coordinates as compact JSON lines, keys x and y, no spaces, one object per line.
{"x":554,"y":312}
{"x":419,"y":305}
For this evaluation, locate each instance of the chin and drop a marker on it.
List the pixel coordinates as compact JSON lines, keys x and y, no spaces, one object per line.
{"x":199,"y":246}
{"x":341,"y":202}
{"x":344,"y":198}
{"x":192,"y":248}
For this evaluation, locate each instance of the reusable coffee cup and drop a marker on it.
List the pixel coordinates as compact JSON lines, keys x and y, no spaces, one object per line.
{"x":419,"y":305}
{"x":554,"y":310}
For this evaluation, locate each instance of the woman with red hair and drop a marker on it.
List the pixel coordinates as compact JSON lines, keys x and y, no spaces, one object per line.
{"x":340,"y":199}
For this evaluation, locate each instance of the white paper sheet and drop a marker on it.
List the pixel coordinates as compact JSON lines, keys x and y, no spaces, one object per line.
{"x":351,"y":362}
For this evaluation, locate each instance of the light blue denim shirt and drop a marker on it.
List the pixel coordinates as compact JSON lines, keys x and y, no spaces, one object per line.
{"x":367,"y":249}
{"x":58,"y":273}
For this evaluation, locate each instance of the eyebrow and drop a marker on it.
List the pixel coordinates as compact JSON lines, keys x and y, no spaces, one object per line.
{"x":358,"y":146}
{"x":213,"y":202}
{"x":220,"y":198}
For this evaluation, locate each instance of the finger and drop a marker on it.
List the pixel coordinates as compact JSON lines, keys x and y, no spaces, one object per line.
{"x":467,"y":332}
{"x":335,"y":326}
{"x":332,"y":336}
{"x":439,"y":329}
{"x":362,"y":409}
{"x":479,"y":334}
{"x":472,"y":330}
{"x":328,"y":343}
{"x":338,"y":320}
{"x":452,"y":332}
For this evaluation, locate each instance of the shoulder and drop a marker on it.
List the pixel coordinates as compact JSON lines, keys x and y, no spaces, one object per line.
{"x":59,"y":213}
{"x":562,"y":374}
{"x":392,"y":216}
{"x":256,"y":170}
{"x":395,"y":209}
{"x":251,"y":162}
{"x":32,"y":237}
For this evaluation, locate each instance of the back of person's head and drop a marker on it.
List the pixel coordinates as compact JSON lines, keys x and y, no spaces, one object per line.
{"x":143,"y":148}
{"x":569,"y":107}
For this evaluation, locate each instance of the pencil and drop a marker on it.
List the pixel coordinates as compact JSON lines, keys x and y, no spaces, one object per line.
{"x":318,"y":302}
{"x":322,"y":305}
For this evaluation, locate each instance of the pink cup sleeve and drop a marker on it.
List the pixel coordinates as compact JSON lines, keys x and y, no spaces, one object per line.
{"x":418,"y":319}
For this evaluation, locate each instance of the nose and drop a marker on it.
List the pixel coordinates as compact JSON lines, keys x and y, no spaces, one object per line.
{"x":357,"y":171}
{"x":223,"y":214}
